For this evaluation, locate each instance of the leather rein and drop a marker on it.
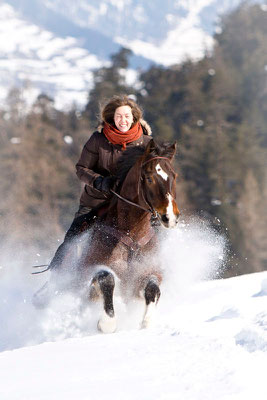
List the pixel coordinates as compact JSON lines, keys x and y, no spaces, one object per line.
{"x":149,"y":209}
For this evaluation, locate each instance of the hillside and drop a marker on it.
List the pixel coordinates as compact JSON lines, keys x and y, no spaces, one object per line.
{"x":53,"y":47}
{"x":209,"y":343}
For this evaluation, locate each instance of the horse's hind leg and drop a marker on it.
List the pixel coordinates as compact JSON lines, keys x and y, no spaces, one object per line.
{"x":103,"y":283}
{"x":151,"y":294}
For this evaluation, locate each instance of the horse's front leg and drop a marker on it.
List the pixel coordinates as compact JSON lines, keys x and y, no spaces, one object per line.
{"x":151,"y":293}
{"x":103,"y":284}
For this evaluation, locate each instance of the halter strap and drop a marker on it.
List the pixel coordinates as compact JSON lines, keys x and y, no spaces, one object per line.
{"x":160,"y":157}
{"x":155,"y":158}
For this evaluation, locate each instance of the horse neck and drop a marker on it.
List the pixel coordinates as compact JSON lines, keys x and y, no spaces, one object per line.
{"x":129,"y":217}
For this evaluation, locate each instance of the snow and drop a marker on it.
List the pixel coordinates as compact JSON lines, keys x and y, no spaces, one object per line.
{"x":184,"y":28}
{"x":186,"y":38}
{"x":31,"y":53}
{"x":208,"y":341}
{"x":57,"y":65}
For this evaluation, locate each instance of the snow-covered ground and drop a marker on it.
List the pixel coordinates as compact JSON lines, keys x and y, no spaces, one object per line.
{"x":208,"y":342}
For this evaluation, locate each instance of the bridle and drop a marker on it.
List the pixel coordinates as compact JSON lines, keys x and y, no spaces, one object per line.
{"x":150,"y":208}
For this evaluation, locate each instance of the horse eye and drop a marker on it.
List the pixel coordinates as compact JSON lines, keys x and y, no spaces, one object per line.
{"x":149,"y":179}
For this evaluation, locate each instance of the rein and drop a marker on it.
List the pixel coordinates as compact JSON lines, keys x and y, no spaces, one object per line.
{"x":132,"y":203}
{"x":150,"y":209}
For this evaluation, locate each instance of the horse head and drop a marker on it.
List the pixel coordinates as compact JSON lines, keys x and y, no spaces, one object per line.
{"x":149,"y":181}
{"x":158,"y":182}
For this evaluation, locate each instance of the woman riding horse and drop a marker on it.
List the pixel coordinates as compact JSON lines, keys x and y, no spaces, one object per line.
{"x":123,"y":243}
{"x":121,"y":127}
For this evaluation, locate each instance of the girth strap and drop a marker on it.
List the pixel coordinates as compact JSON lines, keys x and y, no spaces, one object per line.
{"x":127,"y":239}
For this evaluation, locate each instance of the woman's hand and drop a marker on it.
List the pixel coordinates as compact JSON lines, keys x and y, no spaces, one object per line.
{"x":104,"y":183}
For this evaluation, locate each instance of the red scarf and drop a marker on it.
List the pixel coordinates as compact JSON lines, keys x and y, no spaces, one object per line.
{"x":117,"y":137}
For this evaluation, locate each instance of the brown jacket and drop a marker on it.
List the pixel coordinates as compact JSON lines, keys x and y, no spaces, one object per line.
{"x":100,"y":157}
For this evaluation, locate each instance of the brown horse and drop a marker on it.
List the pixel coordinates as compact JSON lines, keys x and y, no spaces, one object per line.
{"x":123,"y":241}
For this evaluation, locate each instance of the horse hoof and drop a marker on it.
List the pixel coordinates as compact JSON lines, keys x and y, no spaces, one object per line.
{"x":149,"y":317}
{"x":107,"y":324}
{"x":145,"y":324}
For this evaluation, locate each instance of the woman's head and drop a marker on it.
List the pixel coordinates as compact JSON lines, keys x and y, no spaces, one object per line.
{"x":121,"y":112}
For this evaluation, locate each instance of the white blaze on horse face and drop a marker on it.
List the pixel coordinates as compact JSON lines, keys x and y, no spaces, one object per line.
{"x":161,"y":172}
{"x":170,"y":212}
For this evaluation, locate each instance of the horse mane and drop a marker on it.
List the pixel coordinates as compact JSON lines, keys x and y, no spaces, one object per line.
{"x":130,"y":156}
{"x":127,"y":160}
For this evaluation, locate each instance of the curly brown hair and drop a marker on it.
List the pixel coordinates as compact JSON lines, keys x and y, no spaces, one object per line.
{"x":108,"y":111}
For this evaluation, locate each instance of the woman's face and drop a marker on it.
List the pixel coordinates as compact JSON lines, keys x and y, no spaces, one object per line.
{"x":123,"y":118}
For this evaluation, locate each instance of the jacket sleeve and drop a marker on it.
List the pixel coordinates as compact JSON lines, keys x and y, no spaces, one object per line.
{"x":88,"y":161}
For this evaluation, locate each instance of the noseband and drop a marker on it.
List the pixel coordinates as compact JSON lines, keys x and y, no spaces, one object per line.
{"x":149,"y":209}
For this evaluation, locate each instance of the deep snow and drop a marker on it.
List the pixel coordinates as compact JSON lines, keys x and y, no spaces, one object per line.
{"x":209,"y":340}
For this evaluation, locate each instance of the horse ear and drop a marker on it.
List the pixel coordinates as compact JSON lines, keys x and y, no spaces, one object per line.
{"x":171,"y":150}
{"x":151,"y":146}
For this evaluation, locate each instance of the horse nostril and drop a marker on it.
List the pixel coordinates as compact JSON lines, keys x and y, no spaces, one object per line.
{"x":165,"y":218}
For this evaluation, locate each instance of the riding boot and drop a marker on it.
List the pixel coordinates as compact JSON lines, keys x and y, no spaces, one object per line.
{"x":83,"y":220}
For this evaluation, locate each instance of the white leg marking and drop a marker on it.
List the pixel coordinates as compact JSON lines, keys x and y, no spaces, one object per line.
{"x":161,"y":172}
{"x":170,"y":213}
{"x":149,"y":315}
{"x":107,"y":324}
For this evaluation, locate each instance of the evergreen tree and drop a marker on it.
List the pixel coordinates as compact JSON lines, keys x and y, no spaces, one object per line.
{"x":108,"y":81}
{"x":39,"y":189}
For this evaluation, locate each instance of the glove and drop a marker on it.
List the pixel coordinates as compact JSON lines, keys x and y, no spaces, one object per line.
{"x":104,"y":184}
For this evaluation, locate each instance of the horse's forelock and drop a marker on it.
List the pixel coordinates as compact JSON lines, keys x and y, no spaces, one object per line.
{"x":161,"y":149}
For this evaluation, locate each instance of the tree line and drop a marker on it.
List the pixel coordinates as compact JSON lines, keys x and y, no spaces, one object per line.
{"x":216,"y":110}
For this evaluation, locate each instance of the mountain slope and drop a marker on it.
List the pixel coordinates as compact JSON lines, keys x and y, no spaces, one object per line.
{"x":165,"y":33}
{"x":55,"y":65}
{"x":55,"y":45}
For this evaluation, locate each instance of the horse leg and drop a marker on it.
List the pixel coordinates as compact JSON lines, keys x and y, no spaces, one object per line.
{"x":151,"y":294}
{"x":103,"y":284}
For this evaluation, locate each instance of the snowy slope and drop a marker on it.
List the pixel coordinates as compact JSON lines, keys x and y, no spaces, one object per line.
{"x":211,"y":344}
{"x":163,"y":31}
{"x":30,"y":55}
{"x":209,"y":340}
{"x":55,"y":45}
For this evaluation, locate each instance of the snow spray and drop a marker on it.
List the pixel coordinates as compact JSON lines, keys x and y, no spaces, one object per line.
{"x":189,"y":253}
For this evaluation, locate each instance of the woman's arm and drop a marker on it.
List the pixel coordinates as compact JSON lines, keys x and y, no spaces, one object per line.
{"x":88,"y":160}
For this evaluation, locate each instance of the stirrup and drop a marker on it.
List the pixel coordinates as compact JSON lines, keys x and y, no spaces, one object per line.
{"x":40,"y":266}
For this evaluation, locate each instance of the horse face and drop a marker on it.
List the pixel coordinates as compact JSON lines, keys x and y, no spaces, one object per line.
{"x":159,"y":182}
